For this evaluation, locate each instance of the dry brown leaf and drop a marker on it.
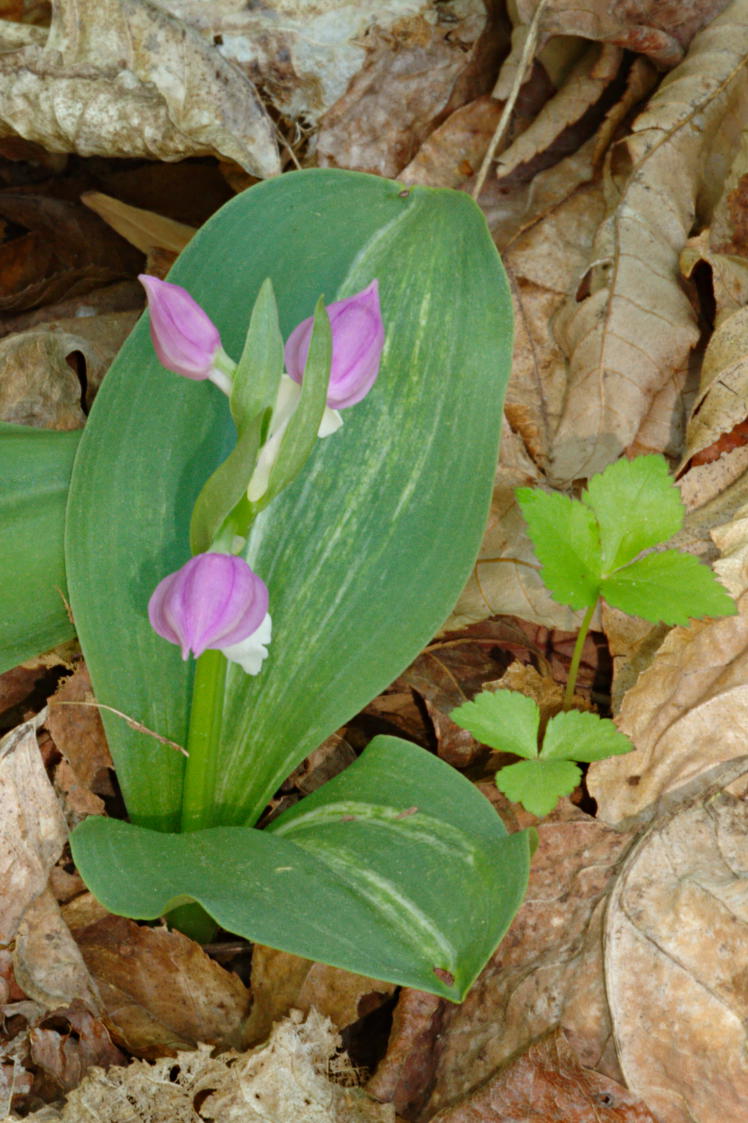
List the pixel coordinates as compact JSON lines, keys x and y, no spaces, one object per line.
{"x":159,"y":989}
{"x":404,"y":1076}
{"x":68,"y":250}
{"x":548,"y":969}
{"x":284,"y":1081}
{"x":454,"y":151}
{"x":676,"y":963}
{"x":38,"y":386}
{"x":122,"y":78}
{"x":78,"y":733}
{"x":661,"y":29}
{"x":307,"y":56}
{"x":68,"y":1042}
{"x":686,"y":714}
{"x":143,"y":229}
{"x":281,"y":982}
{"x":32,"y":827}
{"x":403,"y":90}
{"x":122,"y":297}
{"x":583,"y":87}
{"x":631,"y":337}
{"x":547,"y":1084}
{"x":46,"y":961}
{"x":722,"y":401}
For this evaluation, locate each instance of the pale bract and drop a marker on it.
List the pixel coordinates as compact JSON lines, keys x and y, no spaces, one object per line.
{"x":215,"y":602}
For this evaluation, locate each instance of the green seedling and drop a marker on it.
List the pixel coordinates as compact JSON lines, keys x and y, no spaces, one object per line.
{"x":598,"y":547}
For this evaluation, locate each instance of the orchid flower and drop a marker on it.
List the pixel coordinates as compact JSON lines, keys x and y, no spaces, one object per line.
{"x":184,"y":337}
{"x":357,"y":343}
{"x":214,"y":602}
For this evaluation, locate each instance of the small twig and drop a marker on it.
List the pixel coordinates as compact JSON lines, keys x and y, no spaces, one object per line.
{"x":136,"y":725}
{"x":528,"y":53}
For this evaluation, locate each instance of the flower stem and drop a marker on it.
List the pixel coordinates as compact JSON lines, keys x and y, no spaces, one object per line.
{"x":576,"y":657}
{"x":203,"y":741}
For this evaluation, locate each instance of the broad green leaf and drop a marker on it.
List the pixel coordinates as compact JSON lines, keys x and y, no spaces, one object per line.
{"x":574,"y":735}
{"x":399,"y":844}
{"x":504,"y":719}
{"x":669,"y":586}
{"x":637,"y":505}
{"x":538,"y":784}
{"x":366,"y":552}
{"x":35,"y":466}
{"x":566,"y":541}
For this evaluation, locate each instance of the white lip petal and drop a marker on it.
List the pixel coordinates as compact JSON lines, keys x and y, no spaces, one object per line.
{"x":251,"y":652}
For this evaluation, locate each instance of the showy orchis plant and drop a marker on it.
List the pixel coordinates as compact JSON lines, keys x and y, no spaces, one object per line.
{"x":591,"y":549}
{"x":215,"y":606}
{"x":226,"y":509}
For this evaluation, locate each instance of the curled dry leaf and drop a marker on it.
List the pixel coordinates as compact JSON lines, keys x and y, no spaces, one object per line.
{"x":676,"y":963}
{"x":403,"y":89}
{"x":46,"y":961}
{"x":32,"y":827}
{"x":688,"y":709}
{"x":722,"y":402}
{"x":38,"y":385}
{"x":160,"y":990}
{"x":282,"y":982}
{"x":404,"y":1076}
{"x":548,"y":1084}
{"x":548,"y":969}
{"x":122,"y":78}
{"x":143,"y":229}
{"x":582,"y":89}
{"x":67,"y":250}
{"x":69,"y":1042}
{"x":661,"y":29}
{"x":307,"y":58}
{"x":631,"y":337}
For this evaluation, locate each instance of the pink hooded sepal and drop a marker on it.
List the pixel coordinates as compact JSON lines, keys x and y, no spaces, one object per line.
{"x":357,"y":342}
{"x":214,"y":601}
{"x":184,"y":337}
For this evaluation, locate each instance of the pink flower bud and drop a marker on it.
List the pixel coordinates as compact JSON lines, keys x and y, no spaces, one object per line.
{"x":184,"y":337}
{"x":357,"y":342}
{"x":213,"y":602}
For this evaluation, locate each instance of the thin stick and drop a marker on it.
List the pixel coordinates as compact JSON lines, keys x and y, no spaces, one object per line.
{"x":136,"y":725}
{"x":528,"y":53}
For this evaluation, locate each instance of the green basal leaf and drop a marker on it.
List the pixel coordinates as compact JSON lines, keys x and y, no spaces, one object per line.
{"x":367,"y":551}
{"x":300,"y":436}
{"x":503,"y":719}
{"x":538,"y":784}
{"x":260,"y":367}
{"x":669,"y":586}
{"x":574,"y":735}
{"x":637,"y":506}
{"x":398,"y":868}
{"x":35,"y":465}
{"x":566,"y":541}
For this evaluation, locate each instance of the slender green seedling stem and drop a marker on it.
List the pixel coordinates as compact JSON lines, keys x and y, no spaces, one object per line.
{"x":577,"y":655}
{"x":203,"y":741}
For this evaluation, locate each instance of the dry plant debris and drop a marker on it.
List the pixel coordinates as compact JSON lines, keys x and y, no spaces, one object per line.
{"x":618,"y":199}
